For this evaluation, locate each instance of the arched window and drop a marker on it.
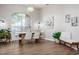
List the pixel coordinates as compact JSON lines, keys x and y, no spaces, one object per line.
{"x":20,"y":22}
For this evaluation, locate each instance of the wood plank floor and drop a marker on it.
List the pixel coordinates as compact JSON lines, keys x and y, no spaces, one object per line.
{"x":42,"y":48}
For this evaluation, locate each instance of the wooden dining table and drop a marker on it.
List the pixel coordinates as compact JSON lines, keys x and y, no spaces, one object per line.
{"x":21,"y":37}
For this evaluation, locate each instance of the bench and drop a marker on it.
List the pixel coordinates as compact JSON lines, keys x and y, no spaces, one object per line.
{"x":71,"y":43}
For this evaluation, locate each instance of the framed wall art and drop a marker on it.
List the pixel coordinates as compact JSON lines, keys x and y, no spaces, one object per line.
{"x":74,"y":21}
{"x":67,"y":18}
{"x":50,"y":22}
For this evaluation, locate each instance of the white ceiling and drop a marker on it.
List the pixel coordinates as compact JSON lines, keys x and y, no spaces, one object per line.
{"x":37,"y":5}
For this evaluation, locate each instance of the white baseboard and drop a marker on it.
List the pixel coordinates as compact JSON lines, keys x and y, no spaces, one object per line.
{"x":49,"y":39}
{"x":43,"y":38}
{"x":13,"y":40}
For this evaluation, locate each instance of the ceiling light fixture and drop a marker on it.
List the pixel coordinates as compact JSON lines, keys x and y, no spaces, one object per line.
{"x":30,"y":9}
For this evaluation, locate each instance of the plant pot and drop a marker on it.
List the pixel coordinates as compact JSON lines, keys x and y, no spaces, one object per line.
{"x":56,"y":40}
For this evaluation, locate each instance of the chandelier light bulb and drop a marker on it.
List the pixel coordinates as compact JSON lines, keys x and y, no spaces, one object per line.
{"x":30,"y":9}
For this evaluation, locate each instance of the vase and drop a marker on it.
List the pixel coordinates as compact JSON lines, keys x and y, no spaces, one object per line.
{"x":57,"y":40}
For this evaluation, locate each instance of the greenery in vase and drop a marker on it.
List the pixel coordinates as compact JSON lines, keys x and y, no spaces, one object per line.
{"x":57,"y":35}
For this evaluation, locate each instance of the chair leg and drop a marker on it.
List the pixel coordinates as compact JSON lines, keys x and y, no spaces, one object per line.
{"x":77,"y":47}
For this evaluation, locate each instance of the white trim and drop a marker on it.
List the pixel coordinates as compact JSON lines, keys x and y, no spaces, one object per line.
{"x":49,"y":39}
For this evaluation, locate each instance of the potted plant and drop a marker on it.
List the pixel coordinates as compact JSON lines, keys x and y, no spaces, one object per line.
{"x":5,"y":34}
{"x":56,"y":36}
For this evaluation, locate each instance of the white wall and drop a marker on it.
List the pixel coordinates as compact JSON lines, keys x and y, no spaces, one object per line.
{"x":73,"y":10}
{"x":59,"y":11}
